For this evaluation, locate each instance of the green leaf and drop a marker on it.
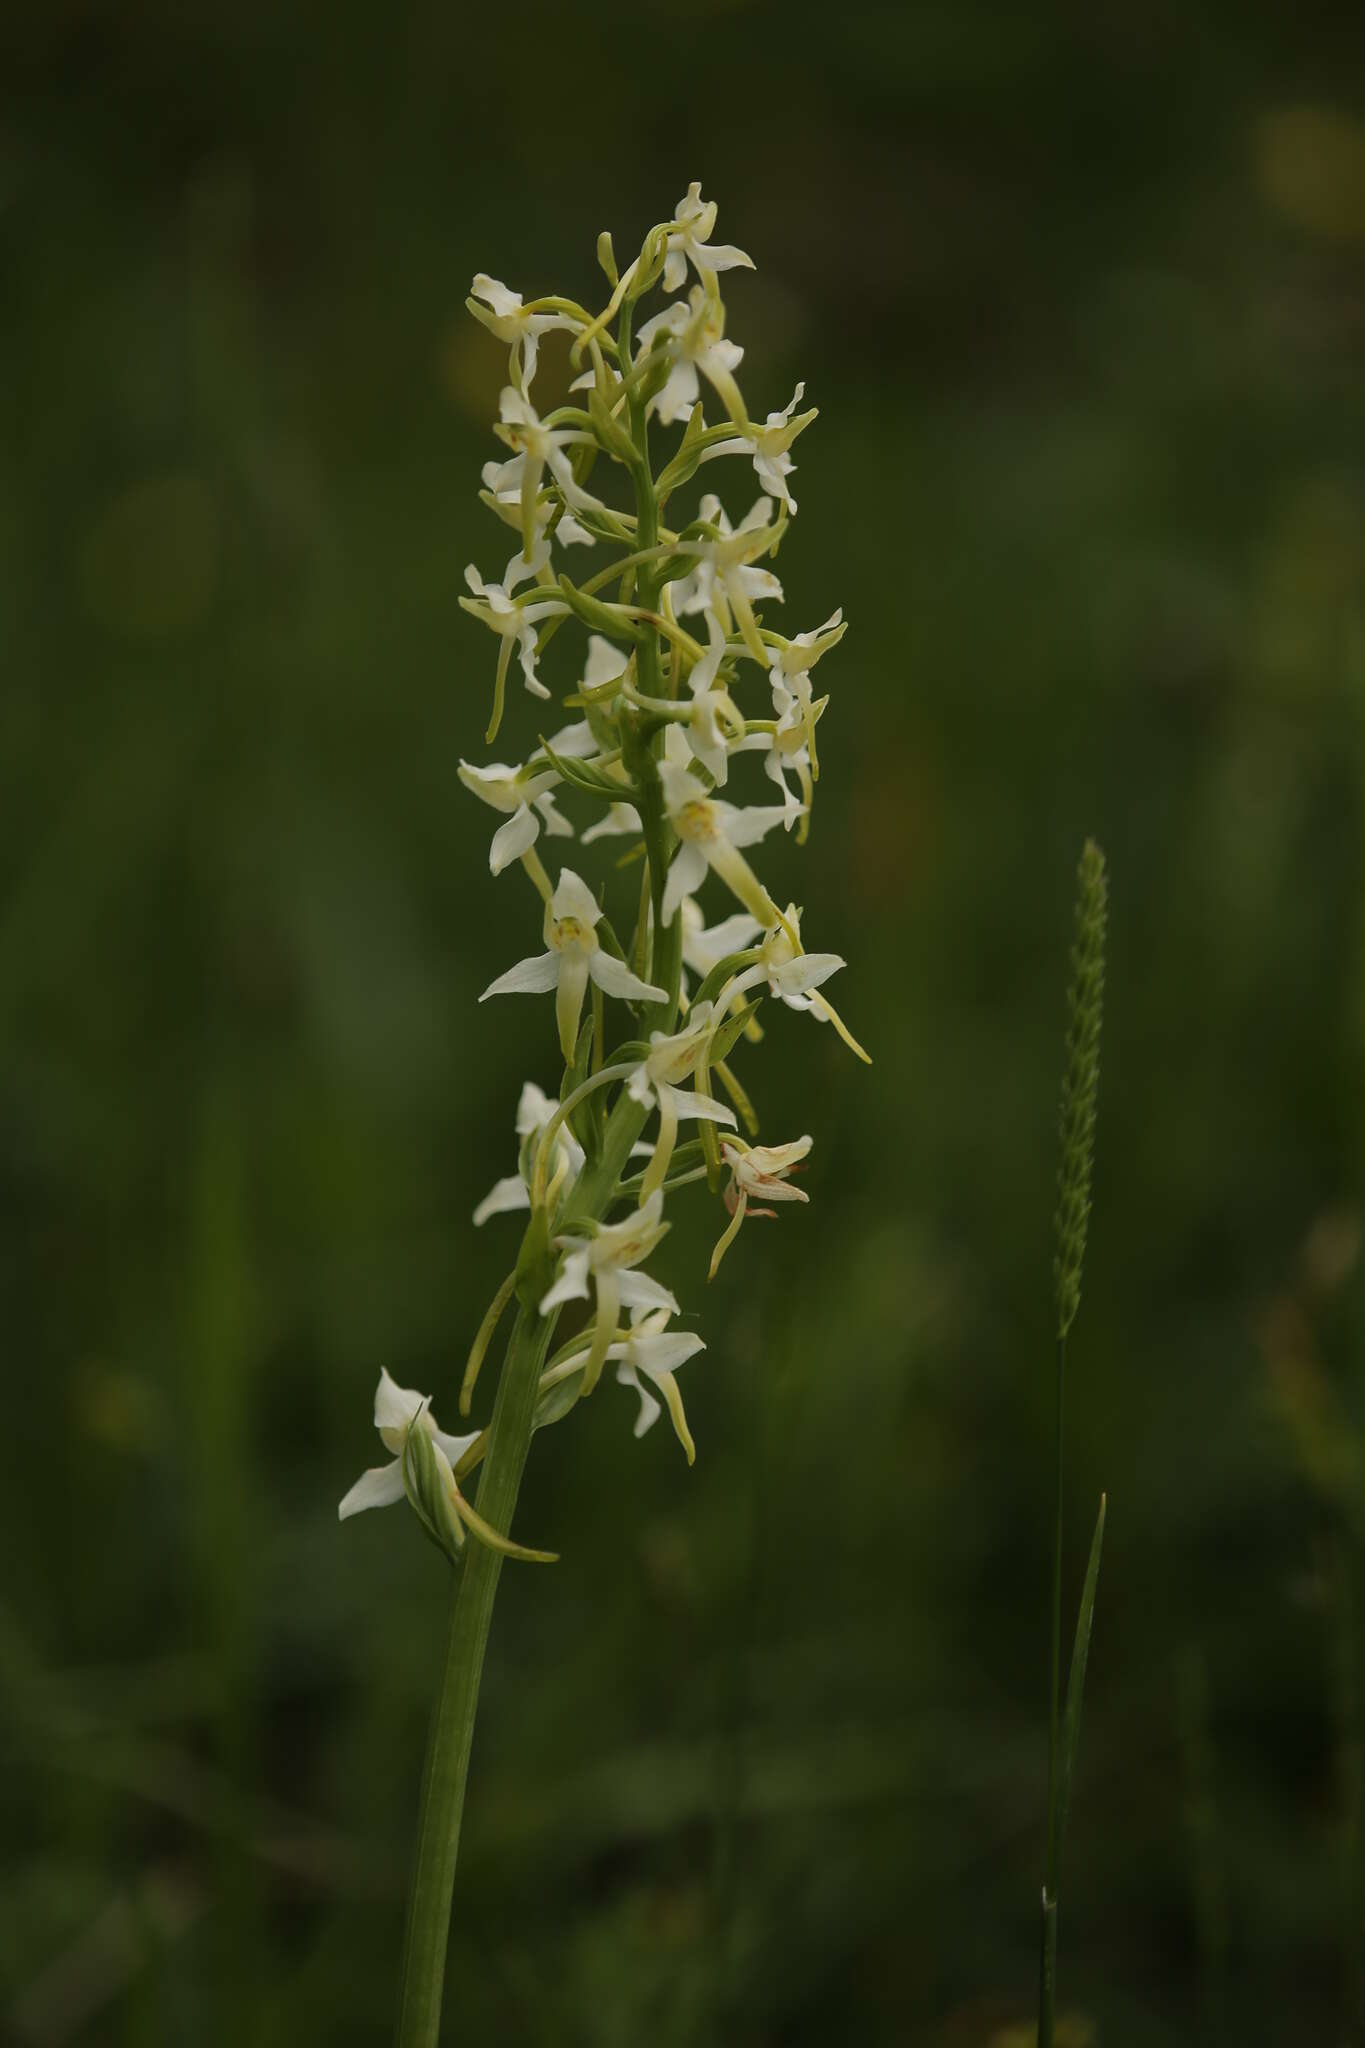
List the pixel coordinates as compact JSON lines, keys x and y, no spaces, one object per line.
{"x":688,"y":458}
{"x":580,"y":1120}
{"x":609,"y":430}
{"x":558,"y":1400}
{"x":603,"y":618}
{"x":729,"y":1032}
{"x":723,"y":971}
{"x":1075,"y":1684}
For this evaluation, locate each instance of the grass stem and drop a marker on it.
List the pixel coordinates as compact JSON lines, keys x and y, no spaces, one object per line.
{"x":1047,"y":1974}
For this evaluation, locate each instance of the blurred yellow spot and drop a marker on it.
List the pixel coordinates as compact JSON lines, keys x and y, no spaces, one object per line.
{"x":1313,"y":571}
{"x":1311,"y":165}
{"x":1306,"y":1400}
{"x":1331,"y":1251}
{"x":1319,"y":552}
{"x":669,"y":1565}
{"x":113,"y":1406}
{"x":471,"y":367}
{"x":1072,"y":2031}
{"x":149,"y":565}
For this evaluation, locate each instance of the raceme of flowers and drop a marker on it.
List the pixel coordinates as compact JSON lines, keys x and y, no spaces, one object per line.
{"x":657,"y":969}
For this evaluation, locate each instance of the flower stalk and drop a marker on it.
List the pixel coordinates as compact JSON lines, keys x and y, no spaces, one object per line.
{"x":452,"y":1727}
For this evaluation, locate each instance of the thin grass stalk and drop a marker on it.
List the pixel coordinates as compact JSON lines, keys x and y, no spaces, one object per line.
{"x":1047,"y":1976}
{"x":1080,"y":1088}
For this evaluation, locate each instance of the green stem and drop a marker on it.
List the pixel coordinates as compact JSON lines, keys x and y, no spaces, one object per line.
{"x":641,"y":754}
{"x":452,"y":1727}
{"x":1047,"y":1968}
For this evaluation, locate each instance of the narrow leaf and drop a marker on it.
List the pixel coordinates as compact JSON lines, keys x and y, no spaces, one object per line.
{"x":590,"y":780}
{"x":603,"y":618}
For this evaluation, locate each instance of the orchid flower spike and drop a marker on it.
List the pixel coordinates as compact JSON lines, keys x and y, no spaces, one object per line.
{"x":651,"y":647}
{"x":606,"y":1265}
{"x":758,"y":1173}
{"x":396,"y":1411}
{"x":575,"y":955}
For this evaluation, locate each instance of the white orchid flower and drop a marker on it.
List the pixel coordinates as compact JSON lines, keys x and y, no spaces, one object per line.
{"x":705,"y":946}
{"x":606,"y":664}
{"x":796,"y":709}
{"x":671,"y":1059}
{"x":758,"y":1173}
{"x":793,"y":976}
{"x":576,"y":742}
{"x":650,"y":1351}
{"x":655,"y":1352}
{"x":770,"y":445}
{"x":797,"y":655}
{"x":690,"y":241}
{"x":789,"y":747}
{"x":618,"y":821}
{"x":712,"y":832}
{"x":505,"y":499}
{"x":694,"y":332}
{"x":526,"y":799}
{"x":534,"y":1110}
{"x":396,"y":1411}
{"x":725,"y":581}
{"x":716,"y":722}
{"x":605,"y":1266}
{"x":513,"y":620}
{"x":537,"y":448}
{"x":504,"y":313}
{"x":575,"y":956}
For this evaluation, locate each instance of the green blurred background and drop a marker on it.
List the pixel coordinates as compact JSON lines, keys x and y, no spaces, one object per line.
{"x":1081,"y":296}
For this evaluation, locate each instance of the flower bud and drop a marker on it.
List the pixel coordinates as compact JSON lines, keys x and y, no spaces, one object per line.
{"x":429,"y":1486}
